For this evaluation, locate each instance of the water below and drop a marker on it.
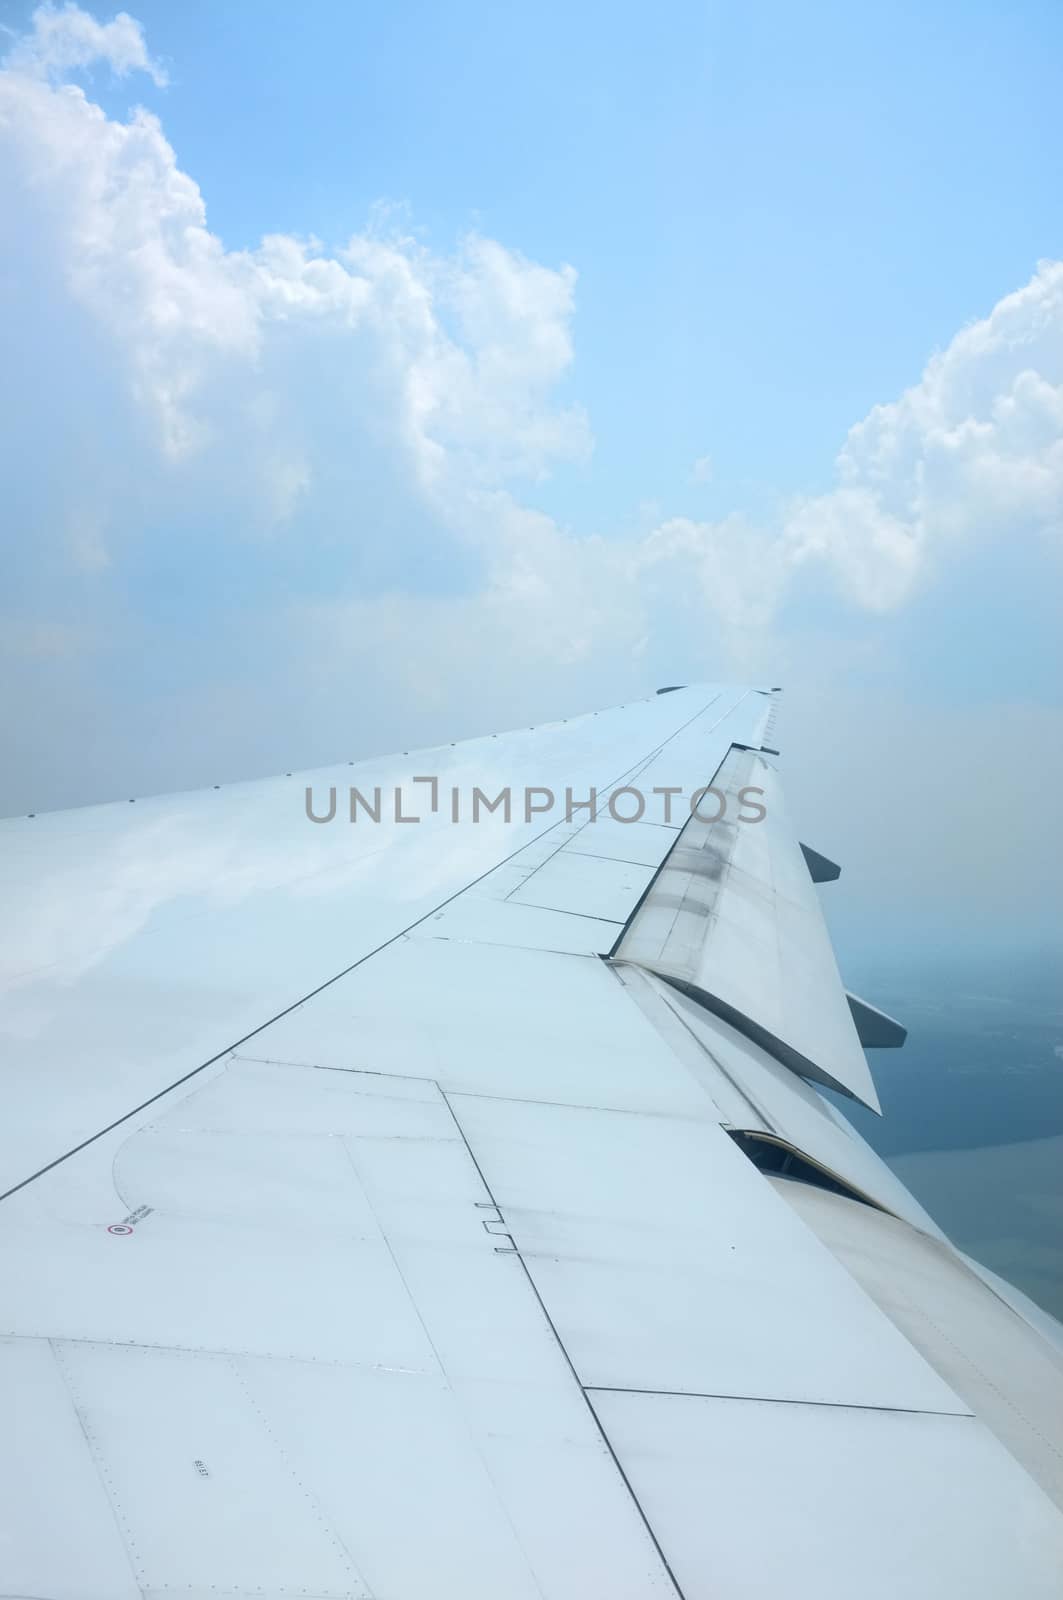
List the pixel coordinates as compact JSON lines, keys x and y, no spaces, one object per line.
{"x":973,"y":1106}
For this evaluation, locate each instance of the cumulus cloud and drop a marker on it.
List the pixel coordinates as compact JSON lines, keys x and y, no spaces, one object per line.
{"x":349,"y":436}
{"x":973,"y":451}
{"x":191,"y":323}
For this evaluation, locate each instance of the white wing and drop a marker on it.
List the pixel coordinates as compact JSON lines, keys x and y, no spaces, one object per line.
{"x":448,"y":1209}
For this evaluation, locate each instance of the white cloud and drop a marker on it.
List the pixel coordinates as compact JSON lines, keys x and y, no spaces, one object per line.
{"x":277,"y":358}
{"x":64,"y":38}
{"x":973,"y":451}
{"x":736,"y":568}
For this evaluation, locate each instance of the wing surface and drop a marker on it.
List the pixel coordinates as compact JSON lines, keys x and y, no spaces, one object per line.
{"x":485,"y":1233}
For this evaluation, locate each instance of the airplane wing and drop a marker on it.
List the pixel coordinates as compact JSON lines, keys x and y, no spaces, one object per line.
{"x":416,"y":1182}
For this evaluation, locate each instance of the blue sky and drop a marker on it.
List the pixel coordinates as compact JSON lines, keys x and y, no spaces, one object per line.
{"x":635,"y":346}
